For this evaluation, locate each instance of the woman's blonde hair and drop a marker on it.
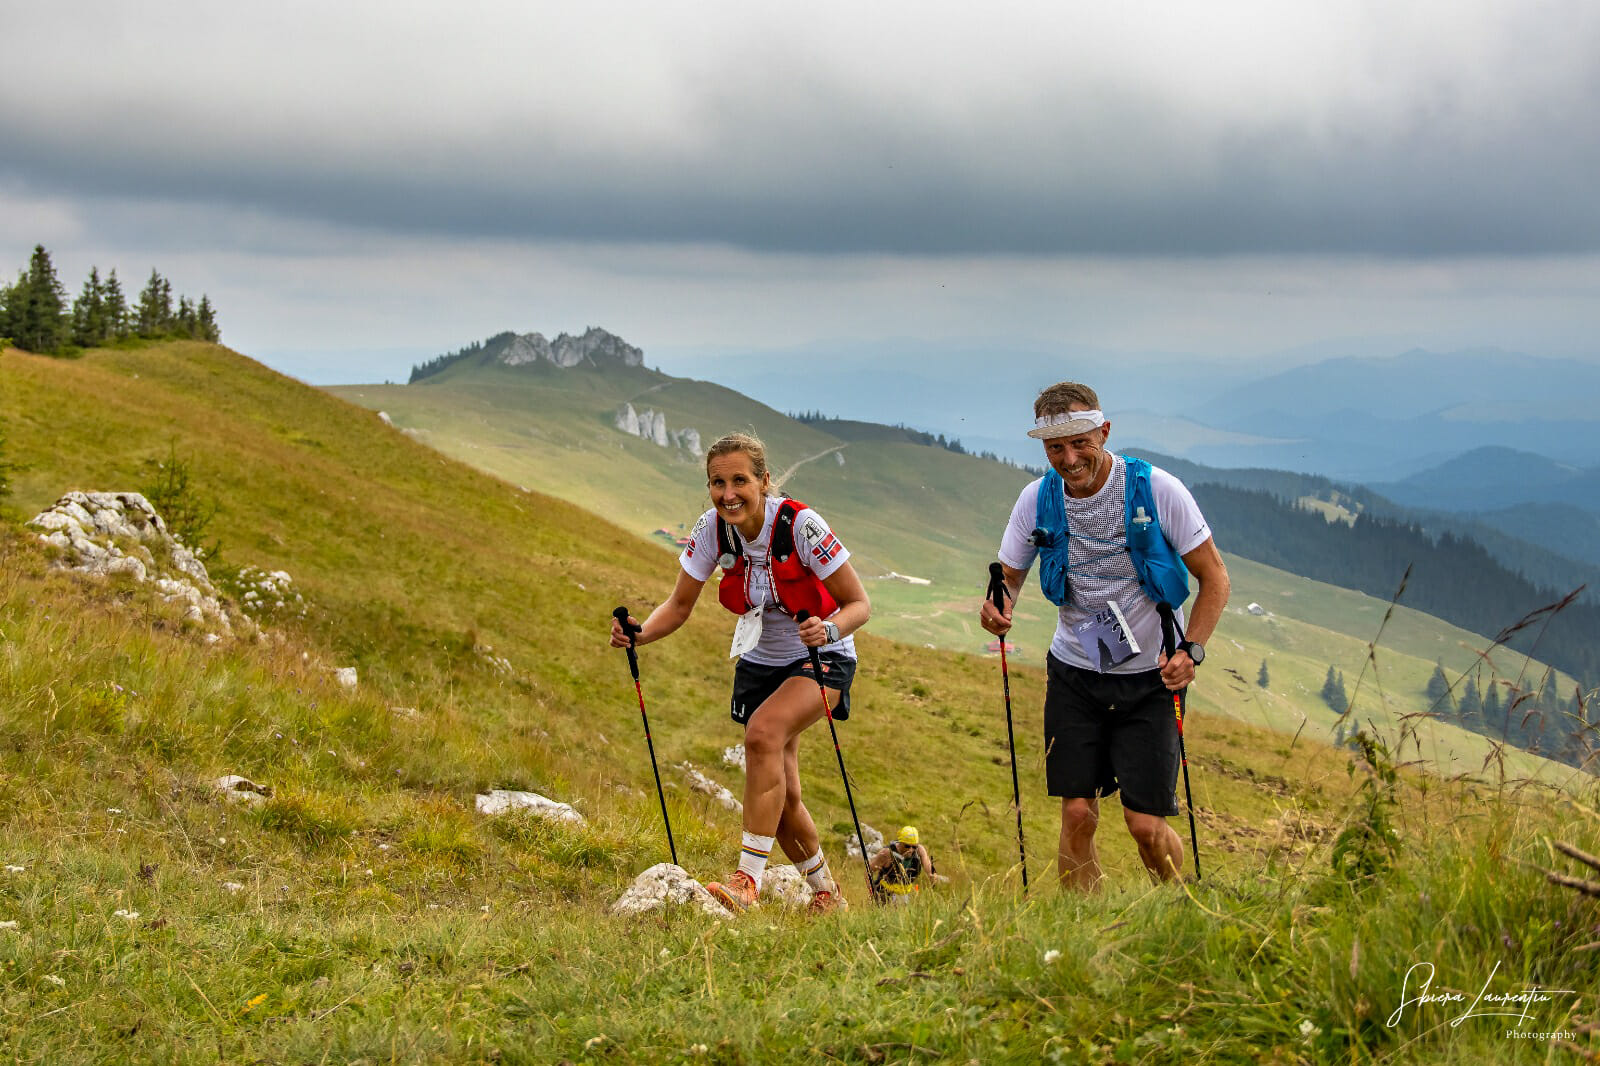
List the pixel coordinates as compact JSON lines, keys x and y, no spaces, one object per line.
{"x":740,"y":442}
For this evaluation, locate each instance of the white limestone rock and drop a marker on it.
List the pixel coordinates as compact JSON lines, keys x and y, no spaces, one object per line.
{"x":874,"y":842}
{"x":785,"y":885}
{"x":241,"y":789}
{"x":92,"y":528}
{"x":499,"y":801}
{"x":665,"y":884}
{"x":699,"y":782}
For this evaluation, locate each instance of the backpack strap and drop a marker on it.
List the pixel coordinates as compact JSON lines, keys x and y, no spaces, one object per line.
{"x":729,"y":550}
{"x":782,"y":544}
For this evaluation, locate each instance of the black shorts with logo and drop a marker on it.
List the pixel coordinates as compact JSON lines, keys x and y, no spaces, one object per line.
{"x":1104,"y":732}
{"x":754,"y":682}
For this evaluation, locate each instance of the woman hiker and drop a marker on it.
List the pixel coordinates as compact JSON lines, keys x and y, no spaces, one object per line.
{"x":779,"y":559}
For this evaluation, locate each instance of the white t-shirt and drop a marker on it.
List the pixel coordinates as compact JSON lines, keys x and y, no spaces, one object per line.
{"x":1101,"y":568}
{"x":820,"y":552}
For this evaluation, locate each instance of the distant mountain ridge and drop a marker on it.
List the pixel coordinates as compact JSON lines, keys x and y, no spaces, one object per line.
{"x":595,"y":347}
{"x":1384,"y":420}
{"x":1492,"y":478}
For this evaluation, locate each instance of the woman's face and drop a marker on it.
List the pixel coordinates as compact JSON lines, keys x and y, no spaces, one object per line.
{"x":737,"y":494}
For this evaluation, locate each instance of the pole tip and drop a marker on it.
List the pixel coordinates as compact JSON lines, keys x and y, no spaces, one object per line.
{"x":621,"y":615}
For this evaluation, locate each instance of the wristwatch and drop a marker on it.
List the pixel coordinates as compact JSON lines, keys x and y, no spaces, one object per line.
{"x":1195,"y":650}
{"x":832,"y":631}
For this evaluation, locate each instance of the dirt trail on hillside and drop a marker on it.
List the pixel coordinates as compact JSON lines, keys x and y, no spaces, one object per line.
{"x":781,"y":478}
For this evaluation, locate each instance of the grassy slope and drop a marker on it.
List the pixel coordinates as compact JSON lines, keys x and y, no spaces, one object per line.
{"x":473,"y":940}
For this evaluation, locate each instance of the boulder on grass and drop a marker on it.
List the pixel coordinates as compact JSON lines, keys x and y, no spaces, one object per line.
{"x":662,"y":884}
{"x":498,"y":801}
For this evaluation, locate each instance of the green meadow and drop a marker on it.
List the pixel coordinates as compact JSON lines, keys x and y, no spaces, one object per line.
{"x":364,"y":912}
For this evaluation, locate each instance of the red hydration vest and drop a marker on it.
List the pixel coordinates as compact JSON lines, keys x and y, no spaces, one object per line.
{"x":796,"y":587}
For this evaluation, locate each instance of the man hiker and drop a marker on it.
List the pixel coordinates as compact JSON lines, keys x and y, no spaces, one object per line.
{"x":895,"y":870}
{"x":1114,"y":538}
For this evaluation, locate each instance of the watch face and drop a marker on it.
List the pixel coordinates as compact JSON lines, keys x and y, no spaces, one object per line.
{"x":1197,"y":652}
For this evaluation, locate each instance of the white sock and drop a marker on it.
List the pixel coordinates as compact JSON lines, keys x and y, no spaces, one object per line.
{"x":815,"y":871}
{"x":753,"y":855}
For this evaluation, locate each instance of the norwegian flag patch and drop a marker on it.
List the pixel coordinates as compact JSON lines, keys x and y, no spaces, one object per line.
{"x":827,"y":549}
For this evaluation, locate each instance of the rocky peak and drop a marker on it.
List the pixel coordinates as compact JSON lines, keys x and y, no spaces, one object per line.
{"x":596,"y":347}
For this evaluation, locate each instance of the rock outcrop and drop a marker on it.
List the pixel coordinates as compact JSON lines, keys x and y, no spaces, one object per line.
{"x":119,"y":533}
{"x":596,"y":347}
{"x":652,"y":426}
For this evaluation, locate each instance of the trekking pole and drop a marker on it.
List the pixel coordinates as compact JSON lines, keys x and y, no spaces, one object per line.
{"x":997,"y":591}
{"x":621,"y":615}
{"x":827,"y":711}
{"x":1170,"y":644}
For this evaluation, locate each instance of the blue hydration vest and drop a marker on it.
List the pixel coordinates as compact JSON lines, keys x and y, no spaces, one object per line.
{"x":1162,"y":575}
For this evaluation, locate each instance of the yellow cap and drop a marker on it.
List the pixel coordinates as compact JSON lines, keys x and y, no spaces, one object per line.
{"x":908,"y":835}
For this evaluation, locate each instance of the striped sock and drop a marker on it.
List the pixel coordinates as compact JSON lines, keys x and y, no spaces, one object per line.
{"x":753,"y":855}
{"x":815,"y":871}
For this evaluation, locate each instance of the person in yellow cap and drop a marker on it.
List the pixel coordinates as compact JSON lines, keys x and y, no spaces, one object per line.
{"x":897,"y":869}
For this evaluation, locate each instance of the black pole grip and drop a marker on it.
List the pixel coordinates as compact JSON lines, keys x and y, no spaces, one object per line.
{"x":997,"y":586}
{"x":1169,"y":642}
{"x":816,"y":659}
{"x":621,"y":615}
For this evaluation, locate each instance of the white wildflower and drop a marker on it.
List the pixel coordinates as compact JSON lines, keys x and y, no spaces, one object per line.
{"x":57,"y":981}
{"x":1051,"y":956}
{"x":232,"y":886}
{"x":132,"y":916}
{"x":8,"y":925}
{"x":15,"y":869}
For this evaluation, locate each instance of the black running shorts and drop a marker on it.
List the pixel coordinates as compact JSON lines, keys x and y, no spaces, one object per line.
{"x":754,"y":682}
{"x":1104,"y":732}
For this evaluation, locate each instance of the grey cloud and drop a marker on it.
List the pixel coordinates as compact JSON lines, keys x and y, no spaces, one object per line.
{"x":769,"y":147}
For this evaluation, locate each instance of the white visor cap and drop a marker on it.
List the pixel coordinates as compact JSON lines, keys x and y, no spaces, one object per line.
{"x":1066,"y":424}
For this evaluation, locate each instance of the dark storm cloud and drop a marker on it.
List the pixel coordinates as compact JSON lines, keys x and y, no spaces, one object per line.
{"x":1472,"y":136}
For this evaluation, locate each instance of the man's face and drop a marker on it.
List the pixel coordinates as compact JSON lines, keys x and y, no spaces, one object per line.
{"x":1080,"y":459}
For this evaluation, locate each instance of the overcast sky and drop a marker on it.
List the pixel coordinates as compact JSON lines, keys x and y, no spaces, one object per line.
{"x":360,"y":186}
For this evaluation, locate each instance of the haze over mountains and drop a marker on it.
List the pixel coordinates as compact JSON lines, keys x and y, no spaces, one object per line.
{"x":1366,"y":420}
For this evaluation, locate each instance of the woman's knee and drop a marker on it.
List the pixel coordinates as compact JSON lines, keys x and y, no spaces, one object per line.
{"x":763,"y":741}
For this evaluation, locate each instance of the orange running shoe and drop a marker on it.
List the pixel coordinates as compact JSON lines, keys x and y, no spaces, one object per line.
{"x":738,"y":894}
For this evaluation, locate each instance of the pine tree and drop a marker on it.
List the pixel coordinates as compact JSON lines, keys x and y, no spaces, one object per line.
{"x":1438,"y":688}
{"x":186,"y":323}
{"x":1471,"y":703}
{"x":1333,"y":693}
{"x":207,"y":317}
{"x":115,"y":307}
{"x":1491,"y":706}
{"x":1548,"y":697}
{"x":36,"y":306}
{"x":89,"y":312}
{"x":1261,"y":677}
{"x":153,"y":313}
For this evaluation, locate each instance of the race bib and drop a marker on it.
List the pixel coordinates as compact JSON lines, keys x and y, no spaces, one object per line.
{"x":1106,"y":638}
{"x":747,"y":634}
